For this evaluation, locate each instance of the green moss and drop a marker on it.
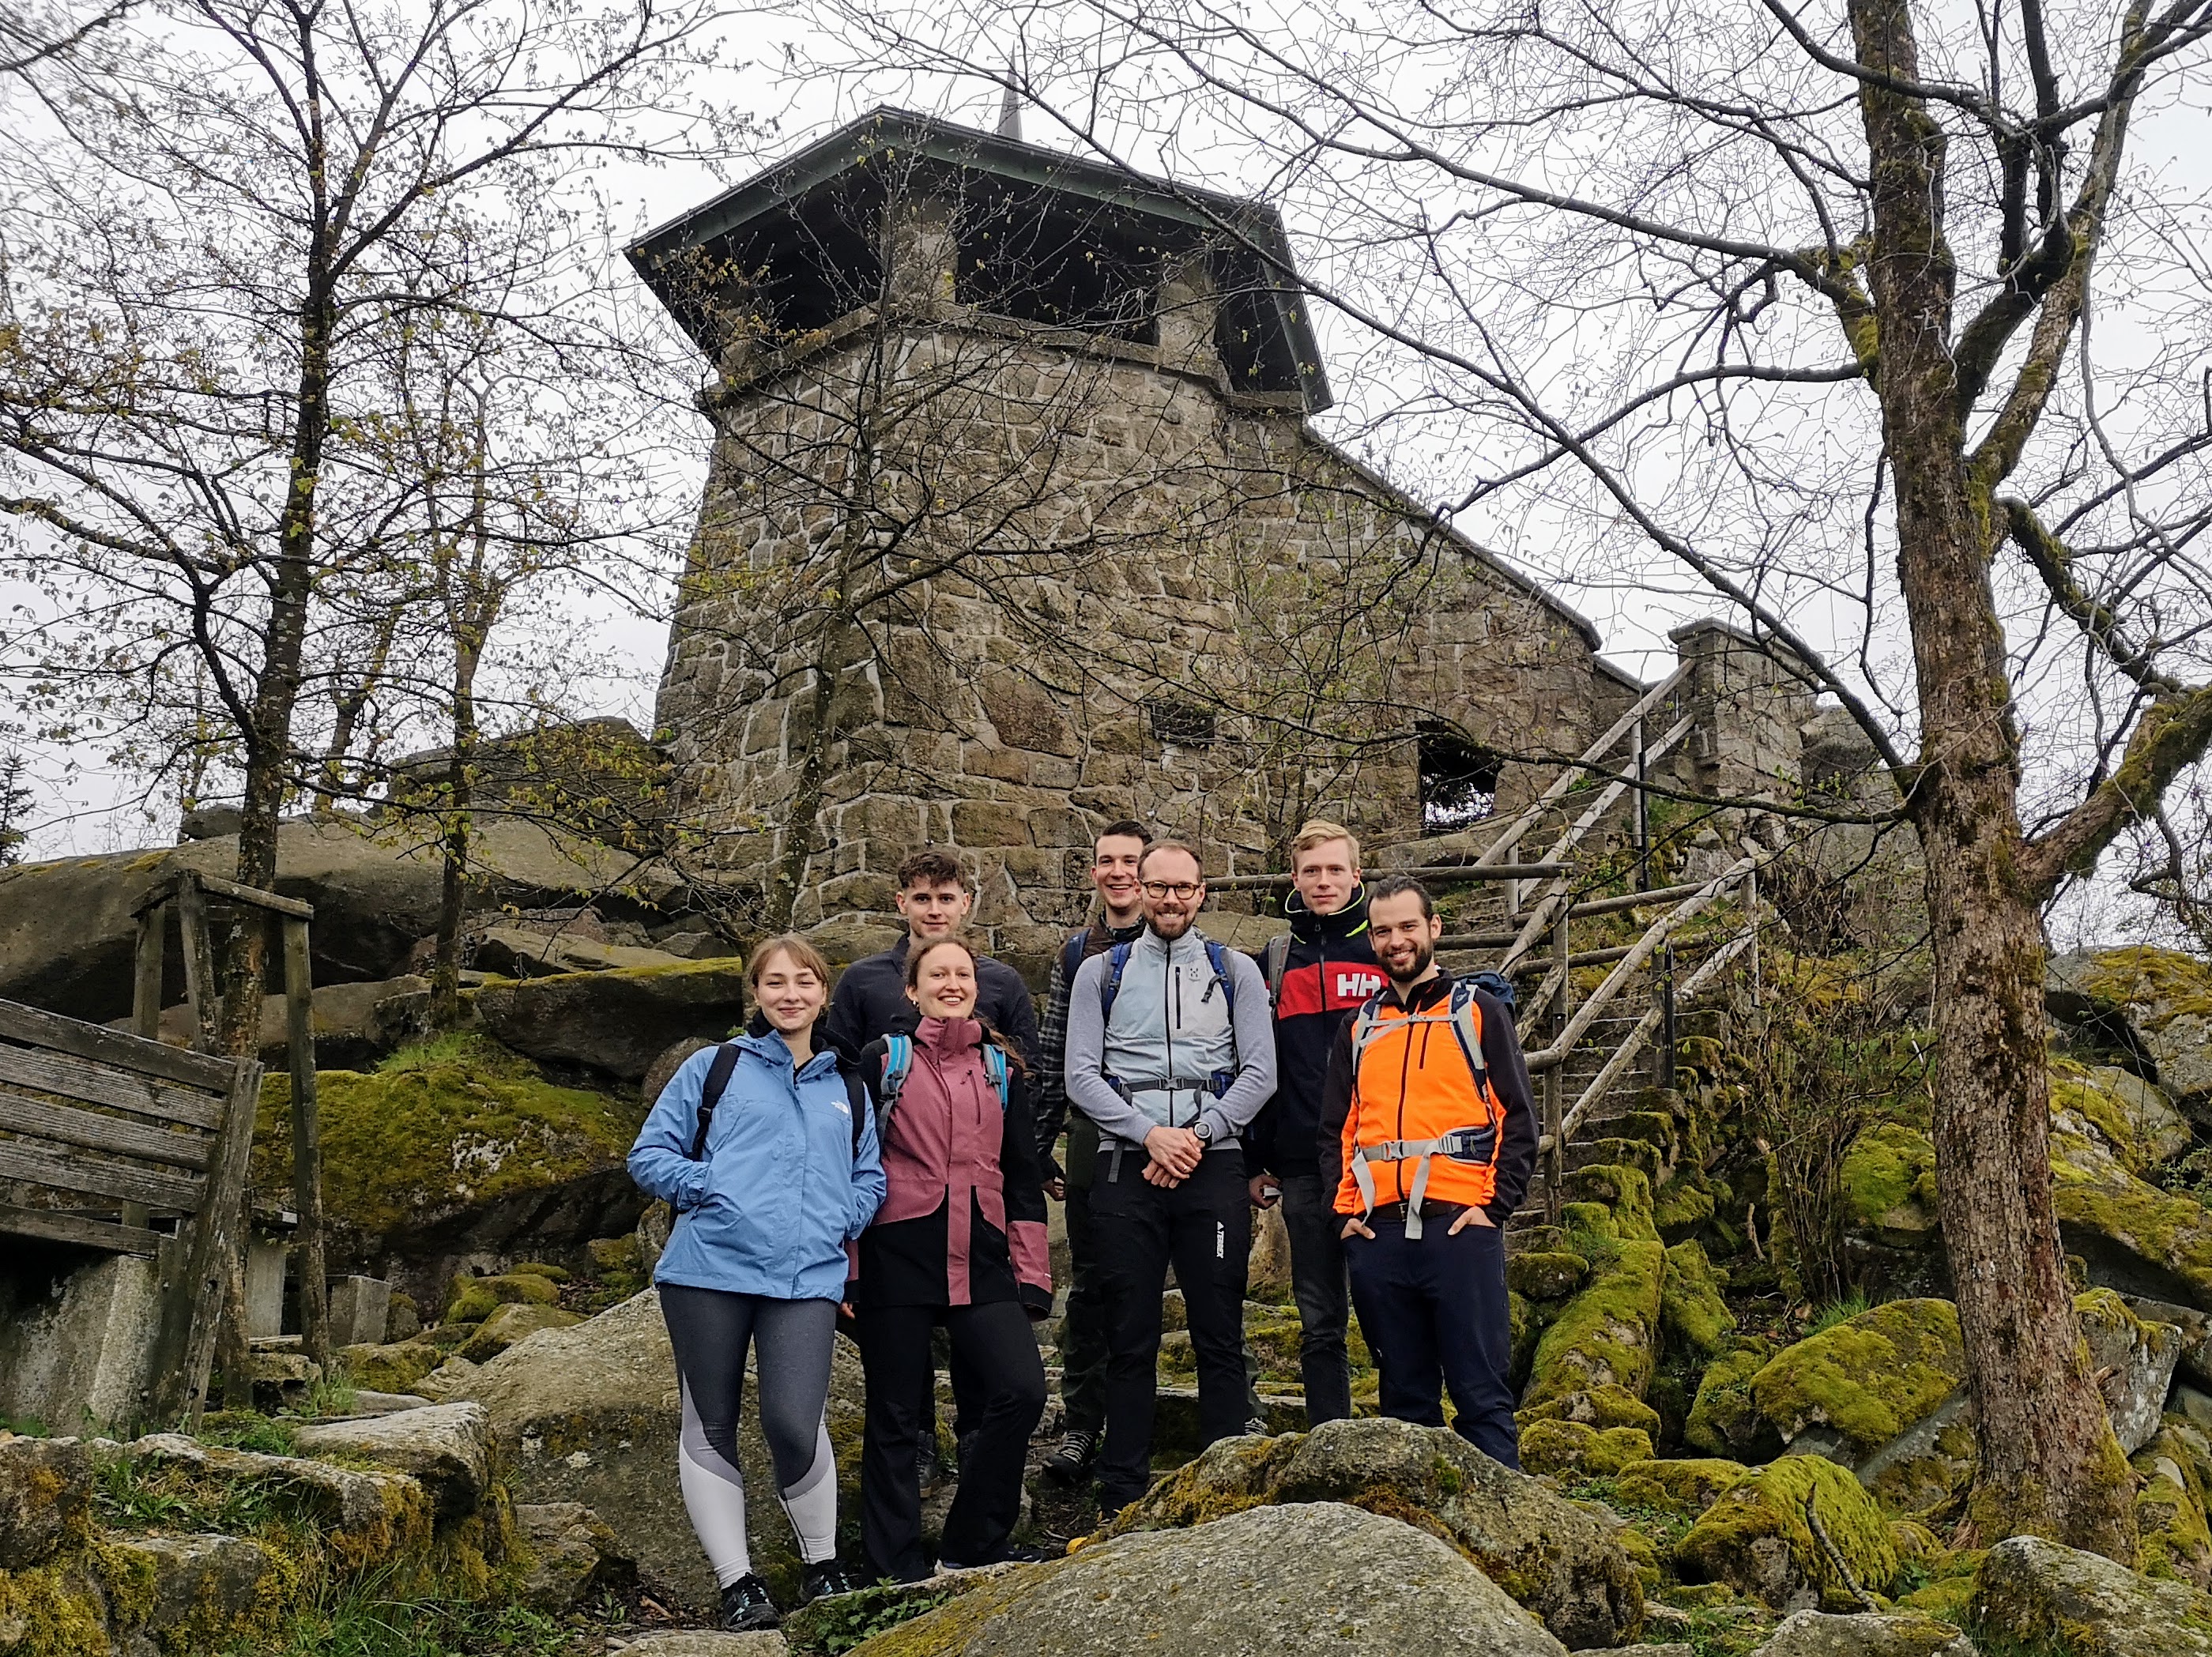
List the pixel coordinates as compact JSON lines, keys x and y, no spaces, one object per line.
{"x":1870,"y":1377}
{"x":475,"y":1299}
{"x":1625,"y":1194}
{"x":1684,"y":1204}
{"x":2169,"y":1509}
{"x":1601,"y":1406}
{"x":1545,"y":1274}
{"x":58,"y":1610}
{"x":1694,"y":1318}
{"x":393,"y":1369}
{"x":1756,"y":1537}
{"x":1575,"y":1446}
{"x":2172,"y":982}
{"x":417,"y":1139}
{"x":1723,"y":1420}
{"x":2095,"y":1195}
{"x":1888,"y":1167}
{"x":1685,"y":1487}
{"x":1607,"y":1335}
{"x":2072,"y":1089}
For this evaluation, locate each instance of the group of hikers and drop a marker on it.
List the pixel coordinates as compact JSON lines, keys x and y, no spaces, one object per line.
{"x":884,"y":1156}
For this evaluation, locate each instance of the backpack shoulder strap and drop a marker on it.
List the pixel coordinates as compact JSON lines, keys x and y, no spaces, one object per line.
{"x":1467,"y":1023}
{"x":1363,"y":1029}
{"x":1275,"y":961}
{"x":856,"y":1101}
{"x":1110,"y":985}
{"x":1070,"y":956}
{"x":898,"y":1059}
{"x":1217,"y":956}
{"x":995,"y":1066}
{"x":710,"y":1094}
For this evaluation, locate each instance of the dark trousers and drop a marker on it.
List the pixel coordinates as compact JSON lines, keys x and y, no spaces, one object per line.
{"x":996,"y":1341}
{"x":1434,"y":1310}
{"x":1318,"y":1285}
{"x":1083,"y":1323}
{"x":1204,"y":1226}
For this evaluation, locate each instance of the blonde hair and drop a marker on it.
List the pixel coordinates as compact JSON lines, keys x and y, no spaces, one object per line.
{"x":803,"y":955}
{"x":1319,"y":831}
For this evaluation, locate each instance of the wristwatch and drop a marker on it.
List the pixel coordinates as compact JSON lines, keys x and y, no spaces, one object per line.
{"x":1204,"y":1129}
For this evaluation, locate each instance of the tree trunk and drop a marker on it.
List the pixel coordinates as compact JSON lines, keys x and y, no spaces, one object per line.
{"x":452,"y":891}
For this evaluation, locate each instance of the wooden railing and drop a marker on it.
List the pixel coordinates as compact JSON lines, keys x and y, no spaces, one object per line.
{"x":164,"y":1145}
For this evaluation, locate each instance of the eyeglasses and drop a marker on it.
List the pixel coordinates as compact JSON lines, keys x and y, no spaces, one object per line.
{"x":1180,"y":888}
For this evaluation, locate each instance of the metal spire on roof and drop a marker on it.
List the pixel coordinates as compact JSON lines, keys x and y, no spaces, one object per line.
{"x":1009,"y":115}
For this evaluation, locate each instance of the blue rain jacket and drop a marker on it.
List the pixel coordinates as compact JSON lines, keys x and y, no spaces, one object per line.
{"x":780,"y":1190}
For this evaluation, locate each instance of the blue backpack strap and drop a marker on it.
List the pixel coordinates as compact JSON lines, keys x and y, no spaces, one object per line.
{"x":995,"y":1066}
{"x":1117,"y":962}
{"x":1217,"y":956}
{"x":898,"y":1059}
{"x":710,"y":1094}
{"x":1466,"y":1024}
{"x":1070,"y":956}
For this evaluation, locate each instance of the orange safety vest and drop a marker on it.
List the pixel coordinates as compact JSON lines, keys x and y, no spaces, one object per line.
{"x":1424,"y":1121}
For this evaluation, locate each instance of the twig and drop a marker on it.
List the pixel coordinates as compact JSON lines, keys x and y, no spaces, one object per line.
{"x":1867,"y":1601}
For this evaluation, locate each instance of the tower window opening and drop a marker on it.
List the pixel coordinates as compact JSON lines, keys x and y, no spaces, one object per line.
{"x":1458,"y":781}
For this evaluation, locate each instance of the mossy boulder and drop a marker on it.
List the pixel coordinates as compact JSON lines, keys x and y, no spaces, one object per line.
{"x":475,"y":1299}
{"x":1694,"y":1319}
{"x":456,"y":1148}
{"x":1608,"y":1334}
{"x":512,"y":1323}
{"x":1757,"y":1538}
{"x":1624,"y":1193}
{"x":2170,"y":1505}
{"x":46,"y":1497}
{"x":2036,"y":1597}
{"x":619,"y":1021}
{"x":1600,"y":1406}
{"x":1564,"y":1564}
{"x":1723,"y":1419}
{"x":1865,"y":1634}
{"x":1545,"y":1274}
{"x":1687,"y":1487}
{"x":1889,"y":1182}
{"x":2133,"y":1236}
{"x":1683,"y":1206}
{"x":1557,"y":1447}
{"x":394,"y":1367}
{"x":2165,"y":998}
{"x":2135,"y":1119}
{"x":2135,"y":1359}
{"x":1867,"y":1379}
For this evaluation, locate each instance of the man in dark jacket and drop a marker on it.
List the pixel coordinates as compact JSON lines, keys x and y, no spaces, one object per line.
{"x":1114,"y":857}
{"x":935,"y":896}
{"x":1316,"y":978}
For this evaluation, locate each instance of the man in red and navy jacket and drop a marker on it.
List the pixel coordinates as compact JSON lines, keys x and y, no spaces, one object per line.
{"x":1317,"y":978}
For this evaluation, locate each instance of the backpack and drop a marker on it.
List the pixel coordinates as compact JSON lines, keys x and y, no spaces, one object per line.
{"x":1072,"y":955}
{"x":1275,"y":962}
{"x":718,"y":1078}
{"x":1498,"y":988}
{"x":1464,"y":1143}
{"x":1461,"y":1014}
{"x":898,"y":1064}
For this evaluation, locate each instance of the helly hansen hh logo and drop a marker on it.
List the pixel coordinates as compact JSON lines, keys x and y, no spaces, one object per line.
{"x":1328,"y":987}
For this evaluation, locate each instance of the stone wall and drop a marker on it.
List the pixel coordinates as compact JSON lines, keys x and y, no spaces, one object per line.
{"x":1067,"y":560}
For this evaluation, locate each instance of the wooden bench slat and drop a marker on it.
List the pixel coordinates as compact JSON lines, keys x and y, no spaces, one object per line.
{"x":64,"y":1171}
{"x":102,"y":1046}
{"x":76,"y":1229}
{"x":98,"y":1084}
{"x":117,"y":1134}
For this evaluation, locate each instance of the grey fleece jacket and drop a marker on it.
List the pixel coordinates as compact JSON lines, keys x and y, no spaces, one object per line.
{"x":1170,"y":1025}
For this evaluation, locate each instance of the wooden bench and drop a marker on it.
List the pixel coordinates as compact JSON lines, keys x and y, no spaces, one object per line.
{"x":161,"y":1138}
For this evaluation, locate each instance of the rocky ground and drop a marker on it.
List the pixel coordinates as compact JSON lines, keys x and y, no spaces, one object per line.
{"x":1722,"y":1458}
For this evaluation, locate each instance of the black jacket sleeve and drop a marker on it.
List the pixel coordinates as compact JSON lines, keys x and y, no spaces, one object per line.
{"x":1051,"y":1090}
{"x":846,"y":1026}
{"x":1509,"y":1079}
{"x":1335,"y":1106}
{"x":1013,"y":1010}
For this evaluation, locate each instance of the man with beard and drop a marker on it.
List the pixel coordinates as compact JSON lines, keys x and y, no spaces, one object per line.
{"x":1428,"y":1140}
{"x":1169,"y":1052}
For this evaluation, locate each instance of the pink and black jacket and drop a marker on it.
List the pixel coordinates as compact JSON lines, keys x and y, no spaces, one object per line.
{"x":963,"y":1222}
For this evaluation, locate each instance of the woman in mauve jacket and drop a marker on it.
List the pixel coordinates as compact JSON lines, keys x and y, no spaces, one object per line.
{"x":959,"y":1241}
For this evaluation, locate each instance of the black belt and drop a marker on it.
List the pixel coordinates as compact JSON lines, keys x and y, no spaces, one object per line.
{"x":1431,"y":1210}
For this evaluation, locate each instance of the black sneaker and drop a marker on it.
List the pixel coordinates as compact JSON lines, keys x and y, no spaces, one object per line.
{"x":827,"y":1578}
{"x":1073,"y":1460}
{"x":1258,"y":1427}
{"x":1009,"y":1554}
{"x":746,"y":1606}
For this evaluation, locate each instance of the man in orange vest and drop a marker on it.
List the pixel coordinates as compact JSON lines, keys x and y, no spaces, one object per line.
{"x":1428,"y":1140}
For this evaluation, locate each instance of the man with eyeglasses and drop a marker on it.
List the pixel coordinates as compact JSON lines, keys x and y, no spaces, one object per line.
{"x":1171,"y":1052}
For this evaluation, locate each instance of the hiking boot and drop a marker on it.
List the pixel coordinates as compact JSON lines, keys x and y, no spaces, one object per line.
{"x":927,"y":1469}
{"x":1008,"y":1555}
{"x":828,"y":1578}
{"x":1258,"y":1427}
{"x":746,"y":1606}
{"x":1073,"y":1460}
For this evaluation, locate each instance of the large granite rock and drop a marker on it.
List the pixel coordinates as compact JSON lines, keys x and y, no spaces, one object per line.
{"x":572,"y":1554}
{"x":1562,"y":1562}
{"x":1307,"y":1576}
{"x":590,"y":1414}
{"x":617,"y":1021}
{"x":67,"y":934}
{"x":45,"y":1496}
{"x":2135,"y":1358}
{"x":1758,"y":1538}
{"x":2161,"y":1000}
{"x":2036,"y":1596}
{"x":446,"y":1448}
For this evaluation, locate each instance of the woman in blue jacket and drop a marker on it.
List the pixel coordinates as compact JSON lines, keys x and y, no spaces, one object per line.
{"x":771,"y":1175}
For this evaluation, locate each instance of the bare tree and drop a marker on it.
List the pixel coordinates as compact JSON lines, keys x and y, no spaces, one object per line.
{"x":215,"y":208}
{"x":1797,"y":304}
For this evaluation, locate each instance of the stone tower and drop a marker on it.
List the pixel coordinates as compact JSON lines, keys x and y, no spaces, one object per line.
{"x":1015,"y":524}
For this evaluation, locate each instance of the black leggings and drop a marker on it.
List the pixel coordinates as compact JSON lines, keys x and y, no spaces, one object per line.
{"x":710,"y":1330}
{"x":997,"y":1346}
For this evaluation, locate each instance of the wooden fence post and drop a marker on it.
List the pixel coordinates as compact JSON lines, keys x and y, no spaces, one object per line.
{"x":307,"y":1146}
